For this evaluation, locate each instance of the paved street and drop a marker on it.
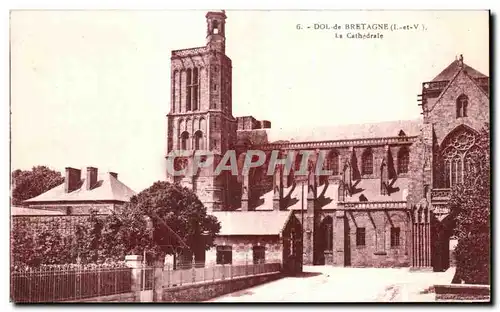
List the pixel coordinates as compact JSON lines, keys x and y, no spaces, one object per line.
{"x":330,"y":284}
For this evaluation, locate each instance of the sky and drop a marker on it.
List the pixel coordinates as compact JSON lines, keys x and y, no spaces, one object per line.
{"x":92,"y":88}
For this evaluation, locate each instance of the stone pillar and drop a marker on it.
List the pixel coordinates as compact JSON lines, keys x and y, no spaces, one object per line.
{"x":311,"y":220}
{"x":421,"y":239}
{"x":339,"y":234}
{"x":245,"y":193}
{"x":135,"y":262}
{"x":158,"y":280}
{"x":278,"y":188}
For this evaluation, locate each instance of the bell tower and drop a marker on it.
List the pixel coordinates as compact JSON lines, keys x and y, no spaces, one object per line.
{"x":216,"y":37}
{"x":200,"y":121}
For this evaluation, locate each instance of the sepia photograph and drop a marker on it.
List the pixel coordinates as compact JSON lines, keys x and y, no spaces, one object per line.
{"x":249,"y":156}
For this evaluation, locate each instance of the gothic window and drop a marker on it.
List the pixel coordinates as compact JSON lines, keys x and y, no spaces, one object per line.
{"x":360,"y":236}
{"x":184,"y":140}
{"x":198,"y":140}
{"x":332,"y":162}
{"x":395,"y":234}
{"x":215,"y":26}
{"x":298,"y":160}
{"x":192,"y":86}
{"x":367,"y":162}
{"x":462,"y":103}
{"x":459,"y":155}
{"x":328,"y":233}
{"x":194,"y":89}
{"x":403,"y":160}
{"x":188,"y":89}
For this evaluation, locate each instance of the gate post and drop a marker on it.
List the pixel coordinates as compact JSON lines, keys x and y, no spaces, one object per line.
{"x":135,"y":262}
{"x":158,"y":281}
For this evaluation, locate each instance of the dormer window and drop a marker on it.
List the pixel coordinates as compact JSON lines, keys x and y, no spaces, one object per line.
{"x":462,"y":103}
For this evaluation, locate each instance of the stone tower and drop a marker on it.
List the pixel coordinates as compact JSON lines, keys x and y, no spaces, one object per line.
{"x":200,"y":121}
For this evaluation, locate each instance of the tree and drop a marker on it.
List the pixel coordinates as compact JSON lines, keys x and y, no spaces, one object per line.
{"x":162,"y":219}
{"x":470,"y":204}
{"x":30,"y":183}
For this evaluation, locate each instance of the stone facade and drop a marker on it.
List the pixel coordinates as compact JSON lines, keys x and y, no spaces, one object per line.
{"x":385,"y":201}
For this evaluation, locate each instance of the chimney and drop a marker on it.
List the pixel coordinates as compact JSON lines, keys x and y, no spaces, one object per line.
{"x":72,"y":179}
{"x":114,"y":175}
{"x":91,"y":178}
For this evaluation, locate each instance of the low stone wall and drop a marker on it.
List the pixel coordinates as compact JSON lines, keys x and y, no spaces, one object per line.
{"x":462,"y":292}
{"x":125,"y":297}
{"x":208,"y":290}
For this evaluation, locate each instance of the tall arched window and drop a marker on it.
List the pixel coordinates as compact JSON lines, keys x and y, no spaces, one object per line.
{"x":198,"y":140}
{"x":194,"y":89}
{"x":367,"y":162}
{"x":189,"y":78}
{"x":184,"y":140}
{"x":462,"y":103}
{"x":459,"y":151}
{"x":327,"y":233}
{"x":332,"y":162}
{"x":403,"y":160}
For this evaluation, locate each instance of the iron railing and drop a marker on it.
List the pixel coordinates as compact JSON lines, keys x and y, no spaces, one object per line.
{"x":61,"y":284}
{"x":179,"y":277}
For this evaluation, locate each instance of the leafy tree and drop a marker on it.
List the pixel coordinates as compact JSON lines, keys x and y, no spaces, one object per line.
{"x":30,"y":183}
{"x":178,"y":223}
{"x":470,"y":203}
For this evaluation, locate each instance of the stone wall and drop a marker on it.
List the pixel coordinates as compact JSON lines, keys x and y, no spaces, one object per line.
{"x":462,"y":292}
{"x":125,"y":297}
{"x":242,"y":248}
{"x":443,"y":113}
{"x":209,"y":290}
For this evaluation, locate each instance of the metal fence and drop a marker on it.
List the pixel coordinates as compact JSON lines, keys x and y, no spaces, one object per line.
{"x":56,"y":284}
{"x":194,"y":275}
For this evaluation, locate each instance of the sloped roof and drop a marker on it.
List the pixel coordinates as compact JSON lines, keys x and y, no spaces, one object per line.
{"x":22,"y":211}
{"x":366,"y":189}
{"x":335,"y":132}
{"x":449,"y":72}
{"x":107,"y":188}
{"x":252,"y":222}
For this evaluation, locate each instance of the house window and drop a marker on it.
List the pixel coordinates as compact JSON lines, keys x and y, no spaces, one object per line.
{"x":367,"y":162}
{"x":403,"y":160}
{"x":462,"y":103}
{"x":360,"y":236}
{"x":259,"y":254}
{"x":395,"y":233}
{"x":224,"y":255}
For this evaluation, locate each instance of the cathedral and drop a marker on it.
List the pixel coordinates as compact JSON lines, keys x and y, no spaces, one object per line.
{"x":385,"y":203}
